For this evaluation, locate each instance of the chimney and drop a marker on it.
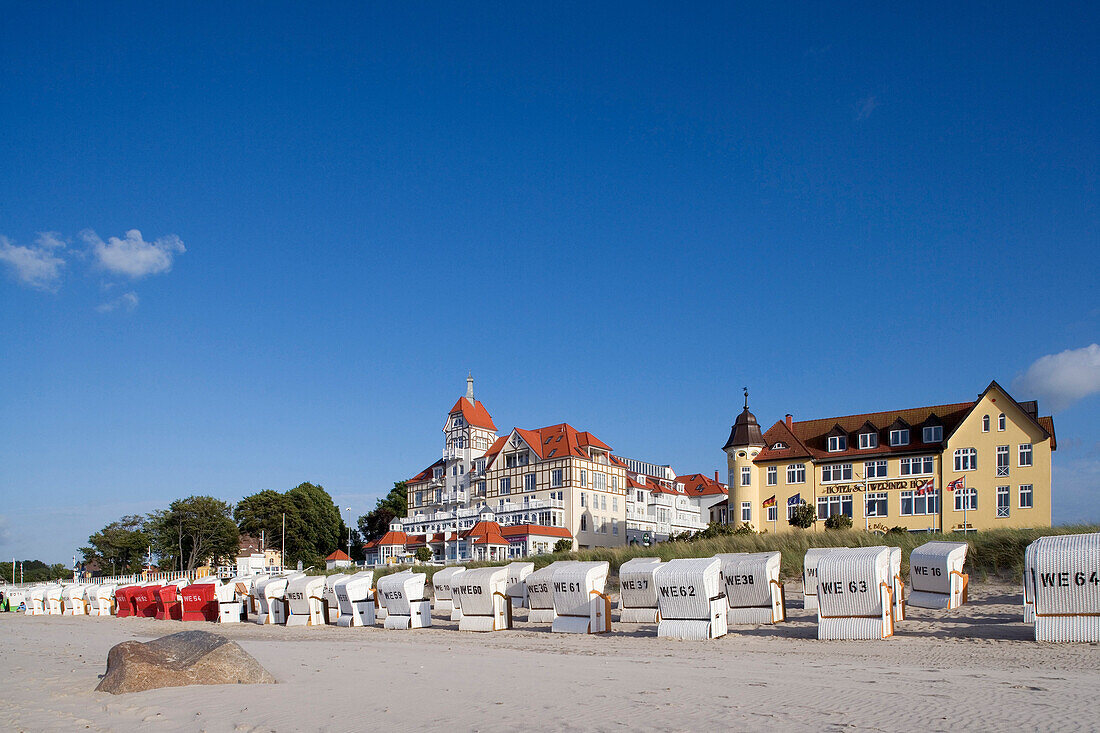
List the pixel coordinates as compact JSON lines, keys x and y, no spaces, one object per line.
{"x":790,"y":418}
{"x":716,"y":477}
{"x":470,"y":387}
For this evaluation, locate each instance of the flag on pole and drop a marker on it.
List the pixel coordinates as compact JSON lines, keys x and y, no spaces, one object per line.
{"x":769,"y":502}
{"x":926,"y":487}
{"x":795,"y":500}
{"x":957,"y":484}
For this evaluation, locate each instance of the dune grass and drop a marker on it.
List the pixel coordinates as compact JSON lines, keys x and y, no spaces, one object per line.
{"x":996,"y":553}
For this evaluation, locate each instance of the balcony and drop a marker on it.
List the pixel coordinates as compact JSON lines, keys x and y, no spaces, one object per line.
{"x":456,"y":454}
{"x":453,"y":497}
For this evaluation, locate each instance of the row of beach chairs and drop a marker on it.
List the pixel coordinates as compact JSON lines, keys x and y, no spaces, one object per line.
{"x":858,"y":593}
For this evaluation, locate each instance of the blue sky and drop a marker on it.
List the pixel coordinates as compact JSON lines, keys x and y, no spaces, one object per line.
{"x":276,"y":239}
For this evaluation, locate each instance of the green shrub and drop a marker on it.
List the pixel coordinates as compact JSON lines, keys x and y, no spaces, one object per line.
{"x":423,"y":554}
{"x":838,"y":521}
{"x":803,"y":516}
{"x":563,"y":545}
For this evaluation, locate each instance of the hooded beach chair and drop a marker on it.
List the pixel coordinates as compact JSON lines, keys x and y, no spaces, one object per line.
{"x":1029,"y":580}
{"x":752,"y":587}
{"x":75,"y":603}
{"x":406,"y":605}
{"x":380,"y":608}
{"x":855,"y":594}
{"x":441,"y":588}
{"x":16,"y":600}
{"x":456,"y":601}
{"x":271,"y":596}
{"x":332,"y":603}
{"x":55,"y":602}
{"x":36,"y":601}
{"x":199,"y":600}
{"x":355,"y":594}
{"x":540,"y":592}
{"x":517,"y":588}
{"x":124,"y":600}
{"x":305,"y":600}
{"x":691,"y":602}
{"x":809,"y":575}
{"x":580,"y":605}
{"x":483,"y":597}
{"x":145,"y":600}
{"x":1067,"y":588}
{"x":168,"y":600}
{"x":637,"y":594}
{"x":936,"y":575}
{"x":101,"y":599}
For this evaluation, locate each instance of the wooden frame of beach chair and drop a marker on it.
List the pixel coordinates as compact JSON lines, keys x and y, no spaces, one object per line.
{"x":690,"y":599}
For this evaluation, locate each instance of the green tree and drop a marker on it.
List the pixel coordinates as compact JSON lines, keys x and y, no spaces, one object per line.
{"x":314,"y":527}
{"x":375,"y":523}
{"x":120,"y":547}
{"x":803,"y":516}
{"x":563,"y":545}
{"x":193,"y":531}
{"x":35,"y":571}
{"x":838,"y":521}
{"x":423,"y":554}
{"x":263,"y":512}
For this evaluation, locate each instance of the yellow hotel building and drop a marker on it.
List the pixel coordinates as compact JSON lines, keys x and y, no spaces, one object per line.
{"x":964,"y":466}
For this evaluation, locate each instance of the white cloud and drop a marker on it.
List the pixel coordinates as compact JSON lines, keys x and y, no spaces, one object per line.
{"x":133,"y":256}
{"x":126,"y":301}
{"x":39,"y":265}
{"x":1059,"y":380}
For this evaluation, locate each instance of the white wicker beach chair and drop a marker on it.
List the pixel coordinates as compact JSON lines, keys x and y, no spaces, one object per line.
{"x":55,"y":602}
{"x":441,"y":587}
{"x":270,"y":593}
{"x":101,"y":599}
{"x":637,"y":594}
{"x":752,"y":587}
{"x":482,"y":596}
{"x":406,"y":605}
{"x":36,"y":601}
{"x":897,"y":583}
{"x":332,"y":603}
{"x":456,"y":602}
{"x":74,"y":601}
{"x":690,"y":599}
{"x":517,"y":587}
{"x":1067,"y":588}
{"x":305,"y":600}
{"x":1029,"y":580}
{"x":355,"y":595}
{"x":540,"y":592}
{"x":580,"y":605}
{"x":809,"y":575}
{"x":855,"y":594}
{"x":936,"y":578}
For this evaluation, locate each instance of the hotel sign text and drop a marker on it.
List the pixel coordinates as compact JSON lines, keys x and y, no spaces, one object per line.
{"x":871,"y":486}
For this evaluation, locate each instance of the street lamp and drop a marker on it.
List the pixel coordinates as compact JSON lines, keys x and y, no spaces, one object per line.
{"x":348,"y":510}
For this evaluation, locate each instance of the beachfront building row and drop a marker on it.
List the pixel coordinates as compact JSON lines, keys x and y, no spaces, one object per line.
{"x":971,"y":465}
{"x":553,"y":477}
{"x":484,"y":540}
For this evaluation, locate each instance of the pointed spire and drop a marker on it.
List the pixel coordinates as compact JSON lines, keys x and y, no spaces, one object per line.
{"x":470,"y":387}
{"x":746,"y":397}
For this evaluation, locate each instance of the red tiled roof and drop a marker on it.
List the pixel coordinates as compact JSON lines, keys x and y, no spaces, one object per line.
{"x":519,"y":530}
{"x":475,"y":413}
{"x":338,"y":555}
{"x":390,"y":538}
{"x":698,"y":484}
{"x":426,"y":474}
{"x":485,"y":533}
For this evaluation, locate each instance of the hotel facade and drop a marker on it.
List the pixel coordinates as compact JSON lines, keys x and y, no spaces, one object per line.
{"x":553,"y":477}
{"x":956,"y":467}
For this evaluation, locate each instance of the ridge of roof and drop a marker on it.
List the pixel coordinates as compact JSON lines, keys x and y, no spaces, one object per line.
{"x":474,"y":413}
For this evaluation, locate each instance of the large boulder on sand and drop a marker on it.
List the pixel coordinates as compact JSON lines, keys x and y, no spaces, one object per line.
{"x":186,"y":658}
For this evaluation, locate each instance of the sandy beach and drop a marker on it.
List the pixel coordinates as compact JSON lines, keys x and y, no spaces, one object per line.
{"x":974,"y":669}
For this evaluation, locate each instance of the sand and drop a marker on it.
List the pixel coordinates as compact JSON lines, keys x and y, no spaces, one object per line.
{"x":973,"y":669}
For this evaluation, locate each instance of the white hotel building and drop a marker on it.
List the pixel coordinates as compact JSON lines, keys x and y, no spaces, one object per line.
{"x":556,"y":476}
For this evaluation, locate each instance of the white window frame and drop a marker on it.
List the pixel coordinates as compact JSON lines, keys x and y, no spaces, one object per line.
{"x":899,"y":436}
{"x":968,"y":496}
{"x":746,"y":476}
{"x":840,"y":502}
{"x":796,"y":473}
{"x":845,"y":470}
{"x":1003,"y":502}
{"x":584,"y":478}
{"x":966,"y":459}
{"x":773,"y":475}
{"x":867,"y":441}
{"x":985,"y":423}
{"x":876,"y":497}
{"x":1029,"y":491}
{"x":1026,"y":450}
{"x":837,"y":443}
{"x":924,"y":466}
{"x":505,"y":485}
{"x":932,"y":434}
{"x":530,"y":483}
{"x":1002,"y":460}
{"x":556,"y":477}
{"x":871,"y":469}
{"x":746,"y":511}
{"x":1002,"y":422}
{"x":773,"y":513}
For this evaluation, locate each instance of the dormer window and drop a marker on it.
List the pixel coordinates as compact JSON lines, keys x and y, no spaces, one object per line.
{"x":868,"y":440}
{"x":933,"y":434}
{"x":437,"y":472}
{"x":899,"y":437}
{"x":458,"y":422}
{"x":837,"y":443}
{"x":780,"y":446}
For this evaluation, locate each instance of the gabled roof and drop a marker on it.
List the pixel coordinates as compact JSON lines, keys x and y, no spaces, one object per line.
{"x":521,"y":530}
{"x":555,"y":441}
{"x":390,"y":538}
{"x":699,"y":484}
{"x":426,"y":474}
{"x":484,"y":533}
{"x":474,"y":413}
{"x":780,"y":433}
{"x":338,"y":555}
